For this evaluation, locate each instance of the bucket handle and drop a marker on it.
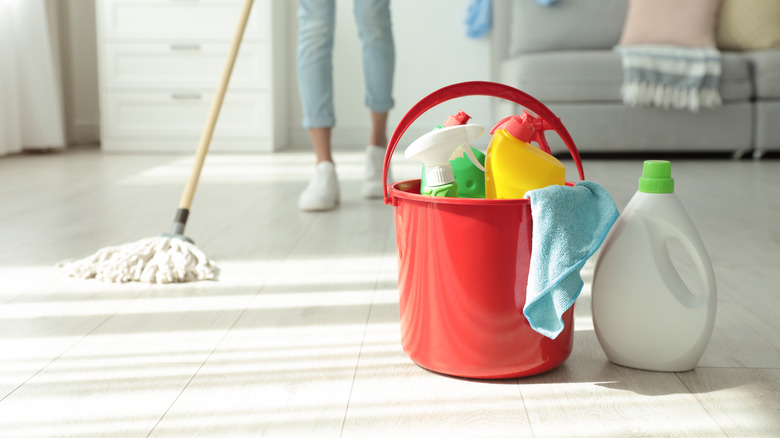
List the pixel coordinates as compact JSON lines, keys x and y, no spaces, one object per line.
{"x":477,"y":88}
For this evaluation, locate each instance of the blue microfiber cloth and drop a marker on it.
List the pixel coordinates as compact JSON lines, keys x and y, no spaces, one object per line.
{"x":569,"y":225}
{"x":478,"y":16}
{"x":478,"y":19}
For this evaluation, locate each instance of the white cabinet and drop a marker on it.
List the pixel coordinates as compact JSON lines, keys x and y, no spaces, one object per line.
{"x":159,"y":65}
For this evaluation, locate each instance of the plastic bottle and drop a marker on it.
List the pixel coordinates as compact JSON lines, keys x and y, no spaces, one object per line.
{"x":644,"y":314}
{"x":469,"y":177}
{"x":514,"y":166}
{"x":435,"y":149}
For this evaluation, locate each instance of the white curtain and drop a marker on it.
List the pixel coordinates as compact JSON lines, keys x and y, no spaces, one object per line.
{"x":31,"y":108}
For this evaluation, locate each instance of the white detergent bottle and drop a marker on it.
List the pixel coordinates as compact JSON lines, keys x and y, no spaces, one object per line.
{"x":644,"y":313}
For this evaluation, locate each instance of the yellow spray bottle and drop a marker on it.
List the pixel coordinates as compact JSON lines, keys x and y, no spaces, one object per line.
{"x":513,"y":166}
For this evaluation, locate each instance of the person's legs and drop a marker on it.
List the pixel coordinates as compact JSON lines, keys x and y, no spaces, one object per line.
{"x":378,"y":135}
{"x":316,"y":24}
{"x":320,"y":140}
{"x":376,"y":36}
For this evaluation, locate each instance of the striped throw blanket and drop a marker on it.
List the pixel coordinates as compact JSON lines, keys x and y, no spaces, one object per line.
{"x":671,"y":76}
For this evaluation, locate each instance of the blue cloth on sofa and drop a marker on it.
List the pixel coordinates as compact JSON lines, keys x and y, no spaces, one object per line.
{"x":569,"y":225}
{"x":478,"y":18}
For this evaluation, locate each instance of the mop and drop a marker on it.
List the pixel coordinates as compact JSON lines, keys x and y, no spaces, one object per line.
{"x":171,"y":257}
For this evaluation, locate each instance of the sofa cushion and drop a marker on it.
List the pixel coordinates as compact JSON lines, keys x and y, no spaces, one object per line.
{"x":608,"y":127}
{"x":597,"y":75}
{"x":565,"y":25}
{"x":749,"y":25}
{"x":573,"y":76}
{"x":766,"y":73}
{"x":690,"y":23}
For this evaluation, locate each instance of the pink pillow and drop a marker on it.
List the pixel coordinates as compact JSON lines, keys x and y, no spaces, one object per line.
{"x":690,"y":23}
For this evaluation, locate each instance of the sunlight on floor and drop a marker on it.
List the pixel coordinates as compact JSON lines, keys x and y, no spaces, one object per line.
{"x":301,"y":283}
{"x":286,"y":300}
{"x":238,"y":169}
{"x":258,"y":367}
{"x":294,"y":377}
{"x":328,"y":278}
{"x":346,"y":270}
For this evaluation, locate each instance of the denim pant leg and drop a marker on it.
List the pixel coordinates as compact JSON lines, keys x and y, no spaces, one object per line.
{"x":376,"y":36}
{"x":316,"y":24}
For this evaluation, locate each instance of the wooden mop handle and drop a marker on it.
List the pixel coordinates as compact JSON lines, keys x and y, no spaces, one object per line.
{"x":216,"y":105}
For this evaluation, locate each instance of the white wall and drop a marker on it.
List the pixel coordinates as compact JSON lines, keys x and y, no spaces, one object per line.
{"x":78,"y":50}
{"x":432,"y":51}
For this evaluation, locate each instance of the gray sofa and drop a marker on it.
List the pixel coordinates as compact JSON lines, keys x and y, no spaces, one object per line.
{"x":563,"y":55}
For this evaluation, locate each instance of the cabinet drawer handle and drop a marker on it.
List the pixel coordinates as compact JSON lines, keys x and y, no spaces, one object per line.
{"x":185,"y":96}
{"x":185,"y":46}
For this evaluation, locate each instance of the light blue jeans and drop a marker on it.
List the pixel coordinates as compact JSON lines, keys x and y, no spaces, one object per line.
{"x":316,"y":24}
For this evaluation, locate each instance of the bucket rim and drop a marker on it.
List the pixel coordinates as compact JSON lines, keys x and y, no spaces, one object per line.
{"x":395,"y":191}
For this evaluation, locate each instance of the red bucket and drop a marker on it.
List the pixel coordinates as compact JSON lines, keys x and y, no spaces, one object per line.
{"x":463,"y":267}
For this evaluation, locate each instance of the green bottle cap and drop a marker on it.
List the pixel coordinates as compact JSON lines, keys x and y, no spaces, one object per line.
{"x":656,"y":177}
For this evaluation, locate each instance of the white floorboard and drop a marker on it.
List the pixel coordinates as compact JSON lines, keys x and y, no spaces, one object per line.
{"x":300,"y":335}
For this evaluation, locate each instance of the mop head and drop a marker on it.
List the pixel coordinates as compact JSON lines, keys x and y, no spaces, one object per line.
{"x":162,"y":259}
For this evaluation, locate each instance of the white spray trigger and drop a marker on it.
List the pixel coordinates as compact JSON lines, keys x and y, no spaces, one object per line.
{"x":473,"y":158}
{"x":436,"y":147}
{"x":457,"y":153}
{"x":466,"y":148}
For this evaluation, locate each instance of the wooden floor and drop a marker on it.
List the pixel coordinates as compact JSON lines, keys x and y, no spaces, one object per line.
{"x":300,"y":335}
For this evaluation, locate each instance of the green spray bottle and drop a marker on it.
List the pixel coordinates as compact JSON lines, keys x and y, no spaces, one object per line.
{"x":467,"y":167}
{"x":435,"y":149}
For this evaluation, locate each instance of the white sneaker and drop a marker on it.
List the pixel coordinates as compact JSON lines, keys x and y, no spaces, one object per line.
{"x":322,"y":193}
{"x":372,"y":179}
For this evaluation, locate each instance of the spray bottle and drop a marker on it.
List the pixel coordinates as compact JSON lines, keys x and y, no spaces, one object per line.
{"x":470,"y":177}
{"x":435,"y":150}
{"x":513,"y":165}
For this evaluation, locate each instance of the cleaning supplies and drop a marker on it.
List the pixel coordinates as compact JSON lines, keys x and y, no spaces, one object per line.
{"x":469,"y":177}
{"x":586,"y":212}
{"x":461,"y":118}
{"x":644,"y":314}
{"x":514,"y":166}
{"x":435,"y":149}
